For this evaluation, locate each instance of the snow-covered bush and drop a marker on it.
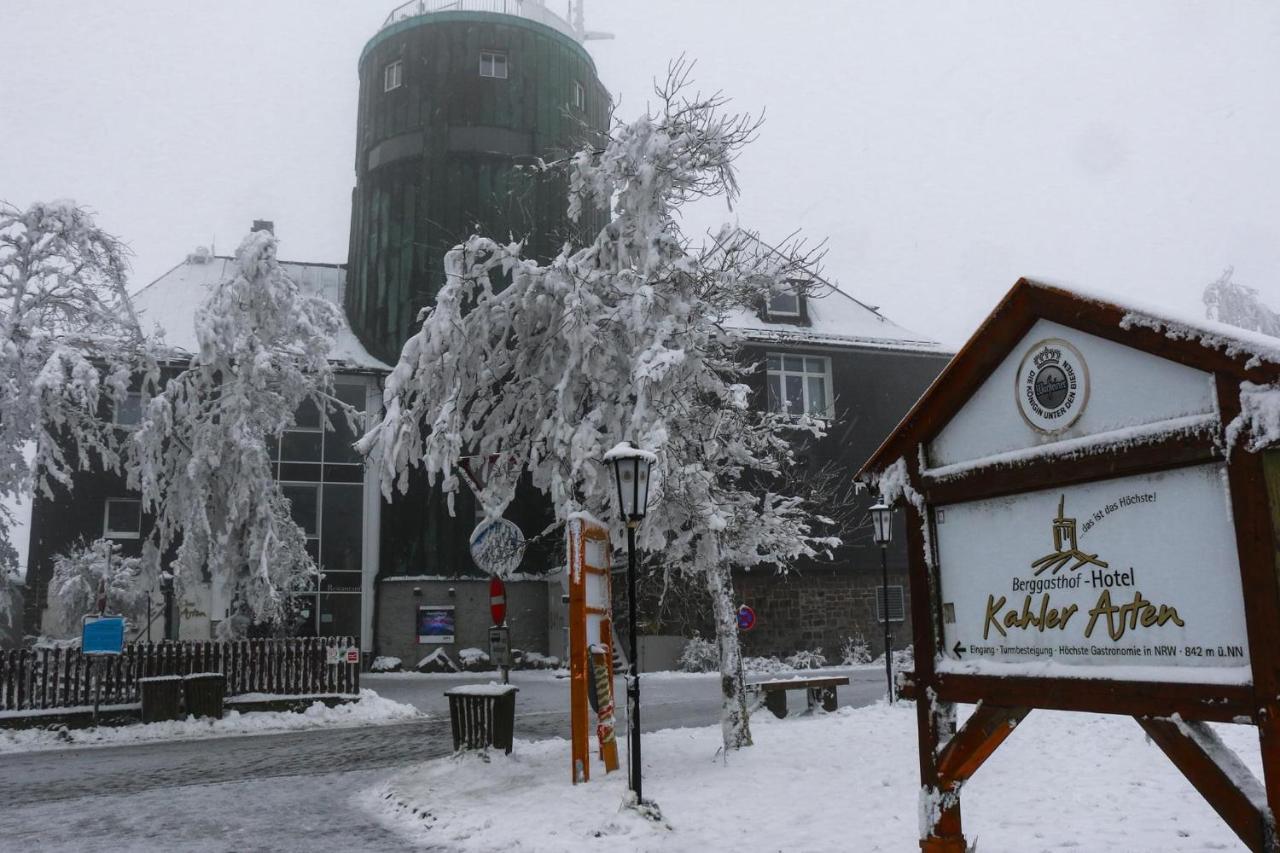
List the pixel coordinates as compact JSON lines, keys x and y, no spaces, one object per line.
{"x":699,"y":655}
{"x":81,"y":571}
{"x":620,"y":340}
{"x":386,"y":663}
{"x":70,"y":345}
{"x":855,"y":651}
{"x":807,"y":659}
{"x":534,"y":660}
{"x":762,"y":665}
{"x":202,"y":456}
{"x":474,"y":660}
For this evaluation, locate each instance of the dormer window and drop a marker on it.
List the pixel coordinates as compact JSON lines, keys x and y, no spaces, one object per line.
{"x":393,"y":76}
{"x":785,"y":304}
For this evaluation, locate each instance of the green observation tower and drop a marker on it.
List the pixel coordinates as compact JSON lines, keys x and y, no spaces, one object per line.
{"x":455,"y":98}
{"x":457,"y":101}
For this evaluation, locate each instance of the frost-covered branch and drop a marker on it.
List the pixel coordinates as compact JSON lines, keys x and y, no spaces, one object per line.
{"x":70,"y":346}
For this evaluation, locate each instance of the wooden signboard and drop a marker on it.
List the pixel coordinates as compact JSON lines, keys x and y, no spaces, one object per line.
{"x":590,"y":644}
{"x":1093,"y":526}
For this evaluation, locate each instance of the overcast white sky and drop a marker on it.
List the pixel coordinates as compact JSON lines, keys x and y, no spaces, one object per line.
{"x":943,"y":149}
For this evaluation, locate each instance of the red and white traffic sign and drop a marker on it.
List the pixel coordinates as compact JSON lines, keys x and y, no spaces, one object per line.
{"x":353,"y":655}
{"x":497,"y":600}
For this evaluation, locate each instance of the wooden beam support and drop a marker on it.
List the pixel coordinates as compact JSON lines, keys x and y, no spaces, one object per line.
{"x":1219,"y":703}
{"x":980,"y":736}
{"x":1220,"y":777}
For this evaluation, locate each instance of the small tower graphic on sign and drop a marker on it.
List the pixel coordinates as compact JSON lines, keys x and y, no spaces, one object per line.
{"x":1065,"y":547}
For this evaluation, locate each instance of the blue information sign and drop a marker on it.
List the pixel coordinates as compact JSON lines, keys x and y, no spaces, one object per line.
{"x":102,"y":635}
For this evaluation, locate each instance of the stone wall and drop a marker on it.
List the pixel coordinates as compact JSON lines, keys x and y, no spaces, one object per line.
{"x":819,"y":608}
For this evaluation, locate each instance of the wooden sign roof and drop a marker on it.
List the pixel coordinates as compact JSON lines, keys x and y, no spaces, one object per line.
{"x":1233,"y":354}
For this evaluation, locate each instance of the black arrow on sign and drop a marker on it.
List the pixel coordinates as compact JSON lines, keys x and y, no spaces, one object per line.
{"x":959,"y":648}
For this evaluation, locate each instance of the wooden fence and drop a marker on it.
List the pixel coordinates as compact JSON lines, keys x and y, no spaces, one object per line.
{"x":49,"y":679}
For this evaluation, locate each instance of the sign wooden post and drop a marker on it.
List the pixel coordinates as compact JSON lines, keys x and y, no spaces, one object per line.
{"x":1092,"y":502}
{"x":590,"y":644}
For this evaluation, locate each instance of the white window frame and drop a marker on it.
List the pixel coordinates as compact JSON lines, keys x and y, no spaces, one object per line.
{"x":777,"y":312}
{"x":579,"y":96}
{"x":782,"y":373}
{"x":107,"y":532}
{"x":115,"y":411}
{"x":890,"y":592}
{"x":492,"y":57}
{"x":393,"y":75}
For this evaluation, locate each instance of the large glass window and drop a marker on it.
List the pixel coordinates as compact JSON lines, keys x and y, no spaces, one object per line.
{"x":322,"y":475}
{"x":799,"y":384}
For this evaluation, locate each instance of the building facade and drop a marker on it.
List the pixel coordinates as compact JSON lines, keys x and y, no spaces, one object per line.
{"x":459,"y":104}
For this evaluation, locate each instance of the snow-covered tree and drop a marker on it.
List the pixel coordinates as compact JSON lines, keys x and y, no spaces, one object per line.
{"x":69,"y":345}
{"x":622,"y":339}
{"x":1239,"y":305}
{"x":202,"y":457}
{"x":81,"y":571}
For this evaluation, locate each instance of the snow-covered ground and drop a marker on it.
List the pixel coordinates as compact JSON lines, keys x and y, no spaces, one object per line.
{"x":372,"y":709}
{"x":843,"y":781}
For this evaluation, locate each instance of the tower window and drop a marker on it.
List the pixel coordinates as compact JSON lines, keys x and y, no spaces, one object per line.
{"x":393,"y":76}
{"x":493,"y":64}
{"x":579,"y":96}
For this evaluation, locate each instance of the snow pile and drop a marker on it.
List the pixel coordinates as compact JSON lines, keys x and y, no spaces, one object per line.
{"x":1259,"y":417}
{"x":372,"y":709}
{"x":386,"y":663}
{"x":844,"y":781}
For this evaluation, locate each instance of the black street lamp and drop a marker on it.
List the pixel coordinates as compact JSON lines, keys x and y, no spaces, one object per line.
{"x":882,"y":534}
{"x":631,"y":471}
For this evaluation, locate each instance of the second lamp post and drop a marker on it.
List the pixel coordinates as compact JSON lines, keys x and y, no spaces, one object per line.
{"x":631,"y":468}
{"x":882,"y":533}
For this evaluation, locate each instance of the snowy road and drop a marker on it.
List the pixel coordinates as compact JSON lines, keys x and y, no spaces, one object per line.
{"x":294,"y":791}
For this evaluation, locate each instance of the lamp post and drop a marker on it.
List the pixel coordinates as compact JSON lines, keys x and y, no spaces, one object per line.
{"x":631,"y":472}
{"x":882,"y":533}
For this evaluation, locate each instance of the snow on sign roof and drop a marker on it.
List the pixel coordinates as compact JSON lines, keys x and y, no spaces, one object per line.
{"x":170,"y":302}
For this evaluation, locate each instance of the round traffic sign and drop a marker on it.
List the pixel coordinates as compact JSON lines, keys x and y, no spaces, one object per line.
{"x":746,"y":618}
{"x":497,"y":600}
{"x":497,"y":546}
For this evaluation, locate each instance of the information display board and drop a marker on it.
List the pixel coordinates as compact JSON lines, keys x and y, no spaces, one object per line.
{"x":1124,"y":576}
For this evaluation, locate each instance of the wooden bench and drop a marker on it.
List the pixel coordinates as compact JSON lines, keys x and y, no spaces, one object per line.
{"x":818,"y":689}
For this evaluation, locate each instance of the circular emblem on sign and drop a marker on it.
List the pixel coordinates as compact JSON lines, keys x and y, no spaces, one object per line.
{"x":497,"y":546}
{"x":746,"y":618}
{"x":1052,"y":385}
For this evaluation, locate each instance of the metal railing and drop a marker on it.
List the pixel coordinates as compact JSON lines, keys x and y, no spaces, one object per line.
{"x":533,"y":10}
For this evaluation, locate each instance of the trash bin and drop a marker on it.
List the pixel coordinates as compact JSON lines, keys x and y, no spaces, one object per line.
{"x":483,"y":716}
{"x":161,"y":697}
{"x":205,"y":691}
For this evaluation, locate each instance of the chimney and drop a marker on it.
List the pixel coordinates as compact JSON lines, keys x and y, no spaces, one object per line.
{"x":263,"y":225}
